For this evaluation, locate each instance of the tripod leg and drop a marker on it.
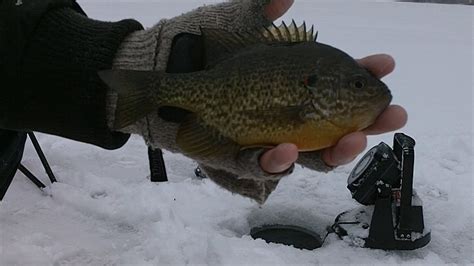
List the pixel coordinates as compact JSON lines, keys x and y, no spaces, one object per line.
{"x":30,"y":176}
{"x":46,"y":166}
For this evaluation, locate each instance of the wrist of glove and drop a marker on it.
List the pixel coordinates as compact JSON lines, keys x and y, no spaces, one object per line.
{"x":167,"y":47}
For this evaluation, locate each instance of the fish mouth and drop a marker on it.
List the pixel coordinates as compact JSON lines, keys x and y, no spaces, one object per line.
{"x":368,"y":117}
{"x":383,"y":100}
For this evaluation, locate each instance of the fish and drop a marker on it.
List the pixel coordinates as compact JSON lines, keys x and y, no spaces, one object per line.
{"x":259,"y":88}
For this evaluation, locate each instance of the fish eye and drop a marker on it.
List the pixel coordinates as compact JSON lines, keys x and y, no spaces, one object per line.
{"x":358,"y":83}
{"x":311,"y":81}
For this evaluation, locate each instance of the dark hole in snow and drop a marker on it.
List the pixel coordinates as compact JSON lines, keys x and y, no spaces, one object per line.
{"x":289,"y":235}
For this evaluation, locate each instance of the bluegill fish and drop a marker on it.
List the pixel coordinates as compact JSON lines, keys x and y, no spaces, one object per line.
{"x":260,"y":88}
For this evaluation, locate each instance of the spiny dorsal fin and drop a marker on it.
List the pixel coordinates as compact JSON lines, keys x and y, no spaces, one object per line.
{"x":221,"y":44}
{"x":289,"y":34}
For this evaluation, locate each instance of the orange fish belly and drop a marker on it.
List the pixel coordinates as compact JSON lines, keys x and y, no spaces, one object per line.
{"x":308,"y":137}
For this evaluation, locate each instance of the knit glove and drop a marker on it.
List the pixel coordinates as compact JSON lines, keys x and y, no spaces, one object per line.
{"x":150,"y":50}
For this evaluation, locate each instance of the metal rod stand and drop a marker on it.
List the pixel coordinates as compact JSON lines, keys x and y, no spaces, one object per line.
{"x":31,"y":176}
{"x":44,"y":162}
{"x":40,"y":153}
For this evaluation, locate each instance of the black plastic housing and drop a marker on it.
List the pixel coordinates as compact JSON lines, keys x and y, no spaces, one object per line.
{"x":379,"y":163}
{"x":384,"y":179}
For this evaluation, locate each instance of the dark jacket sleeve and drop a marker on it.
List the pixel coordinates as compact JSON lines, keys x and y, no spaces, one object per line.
{"x":50,"y":53}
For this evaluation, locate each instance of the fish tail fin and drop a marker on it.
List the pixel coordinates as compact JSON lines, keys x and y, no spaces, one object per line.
{"x":134,"y":94}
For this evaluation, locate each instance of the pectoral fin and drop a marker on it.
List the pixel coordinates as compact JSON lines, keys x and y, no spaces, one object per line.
{"x":198,"y":140}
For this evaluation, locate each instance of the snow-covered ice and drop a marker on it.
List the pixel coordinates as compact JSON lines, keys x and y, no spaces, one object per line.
{"x":105,"y":211}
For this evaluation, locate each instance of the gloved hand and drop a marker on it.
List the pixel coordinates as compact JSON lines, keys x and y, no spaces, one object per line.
{"x":150,"y":50}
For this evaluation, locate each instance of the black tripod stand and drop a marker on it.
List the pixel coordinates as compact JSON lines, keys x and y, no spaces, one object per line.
{"x":11,"y":153}
{"x":44,"y":162}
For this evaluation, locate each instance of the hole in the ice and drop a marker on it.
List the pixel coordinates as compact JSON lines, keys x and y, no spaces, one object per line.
{"x":301,"y":228}
{"x":289,"y":235}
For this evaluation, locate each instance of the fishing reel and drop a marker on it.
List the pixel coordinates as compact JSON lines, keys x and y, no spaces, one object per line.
{"x":391,"y":217}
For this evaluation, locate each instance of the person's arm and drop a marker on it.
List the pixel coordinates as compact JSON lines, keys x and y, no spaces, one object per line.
{"x":65,"y":97}
{"x":50,"y":55}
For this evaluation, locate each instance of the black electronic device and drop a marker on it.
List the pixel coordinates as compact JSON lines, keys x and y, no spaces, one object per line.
{"x":393,"y":215}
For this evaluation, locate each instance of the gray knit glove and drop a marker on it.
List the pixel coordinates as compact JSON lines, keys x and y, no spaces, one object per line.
{"x":150,"y":49}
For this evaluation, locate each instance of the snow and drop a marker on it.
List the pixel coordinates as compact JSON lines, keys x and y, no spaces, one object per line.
{"x":105,"y":211}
